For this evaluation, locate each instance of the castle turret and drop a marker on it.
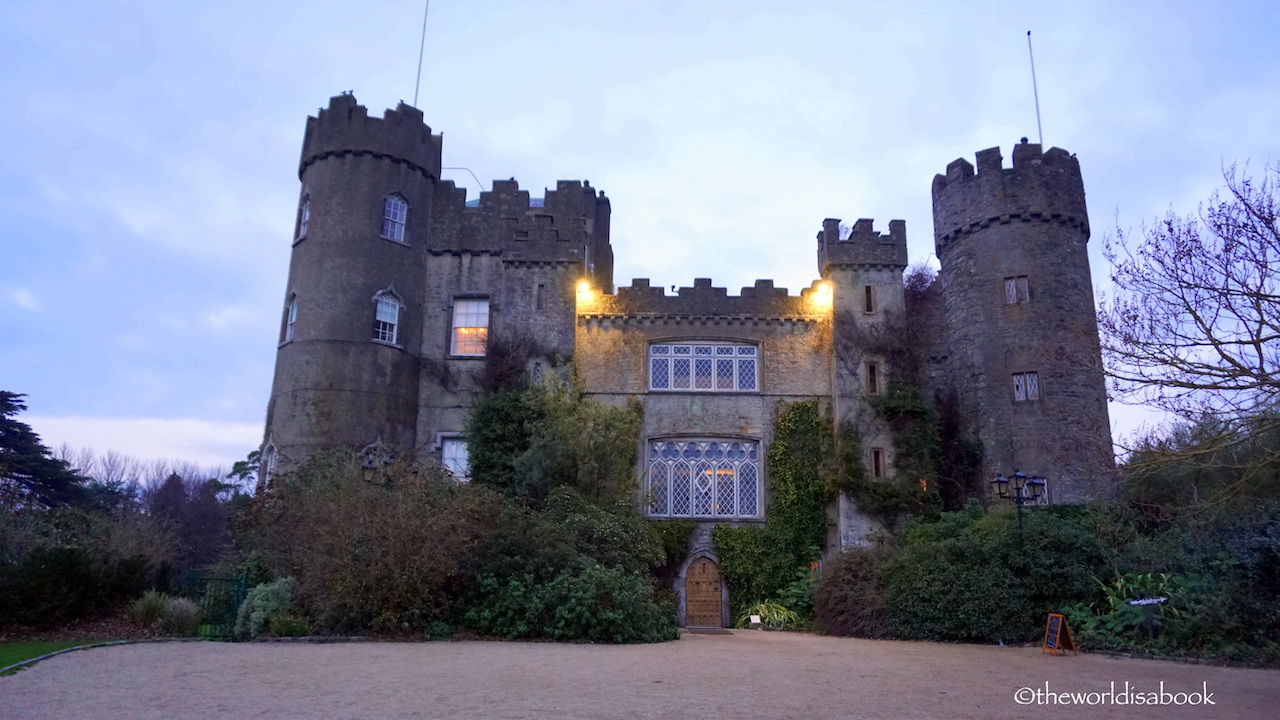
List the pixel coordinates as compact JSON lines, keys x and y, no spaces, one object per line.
{"x":348,"y":364}
{"x":1024,"y":359}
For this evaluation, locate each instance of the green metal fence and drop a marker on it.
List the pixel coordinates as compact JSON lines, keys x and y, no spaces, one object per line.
{"x":219,"y":599}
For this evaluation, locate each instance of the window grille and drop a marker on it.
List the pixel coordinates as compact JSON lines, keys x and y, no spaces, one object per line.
{"x":1026,"y":386}
{"x":455,"y":458}
{"x":470,"y":327}
{"x":703,"y":367}
{"x":394,"y":213}
{"x":386,"y":318}
{"x":1016,"y":290}
{"x":703,"y":478}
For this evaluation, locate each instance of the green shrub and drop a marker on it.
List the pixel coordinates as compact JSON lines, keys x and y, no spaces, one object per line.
{"x":261,"y":604}
{"x":592,"y":604}
{"x":773,"y":615}
{"x":148,"y":609}
{"x":850,"y":598}
{"x":181,"y":616}
{"x":289,"y":625}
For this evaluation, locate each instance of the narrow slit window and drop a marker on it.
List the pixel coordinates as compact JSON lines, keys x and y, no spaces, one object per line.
{"x":873,"y":379}
{"x":868,"y":299}
{"x":877,"y":463}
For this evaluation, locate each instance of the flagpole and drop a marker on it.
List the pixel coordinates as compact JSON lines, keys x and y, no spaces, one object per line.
{"x":426,"y":5}
{"x":1035,"y":90}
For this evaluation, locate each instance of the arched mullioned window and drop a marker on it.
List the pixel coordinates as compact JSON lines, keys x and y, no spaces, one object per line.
{"x":304,"y":218}
{"x":395,"y":212}
{"x":386,"y":317}
{"x":290,"y":318}
{"x":714,"y":478}
{"x":267,"y":465}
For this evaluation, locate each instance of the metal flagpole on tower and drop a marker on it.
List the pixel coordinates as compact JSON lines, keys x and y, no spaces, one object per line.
{"x":1035,"y":90}
{"x":426,"y":5}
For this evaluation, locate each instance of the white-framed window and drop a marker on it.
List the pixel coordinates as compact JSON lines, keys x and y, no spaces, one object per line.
{"x":873,"y":378}
{"x":290,"y":318}
{"x":1026,"y":386}
{"x":704,"y":367}
{"x":703,"y":478}
{"x":1016,"y":290}
{"x":386,"y":317}
{"x":267,"y":465}
{"x":876,"y":461}
{"x":395,"y":211}
{"x":470,"y":327}
{"x":454,"y":457}
{"x":304,"y":218}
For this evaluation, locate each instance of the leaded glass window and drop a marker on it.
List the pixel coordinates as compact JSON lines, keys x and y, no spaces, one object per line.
{"x":703,"y":367}
{"x":1026,"y":386}
{"x":703,"y":478}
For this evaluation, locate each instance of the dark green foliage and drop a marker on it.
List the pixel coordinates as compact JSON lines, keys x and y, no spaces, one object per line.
{"x":29,"y":474}
{"x":760,"y":562}
{"x":850,"y":598}
{"x":615,"y":536}
{"x":591,"y":604}
{"x":971,"y":576}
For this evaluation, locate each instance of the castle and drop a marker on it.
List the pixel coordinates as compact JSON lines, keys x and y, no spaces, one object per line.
{"x":398,"y":287}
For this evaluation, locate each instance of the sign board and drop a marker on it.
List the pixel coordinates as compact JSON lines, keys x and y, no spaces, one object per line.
{"x":1057,"y":636}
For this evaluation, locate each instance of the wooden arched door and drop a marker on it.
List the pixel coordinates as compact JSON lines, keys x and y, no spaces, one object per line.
{"x":702,"y":595}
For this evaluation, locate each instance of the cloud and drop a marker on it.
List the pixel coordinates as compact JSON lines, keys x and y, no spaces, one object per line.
{"x":23,"y":298}
{"x":202,"y":442}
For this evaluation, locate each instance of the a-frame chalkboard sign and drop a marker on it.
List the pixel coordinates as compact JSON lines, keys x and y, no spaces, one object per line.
{"x":1057,"y":636}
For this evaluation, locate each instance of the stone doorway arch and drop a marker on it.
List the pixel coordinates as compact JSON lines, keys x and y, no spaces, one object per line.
{"x":703,"y":593}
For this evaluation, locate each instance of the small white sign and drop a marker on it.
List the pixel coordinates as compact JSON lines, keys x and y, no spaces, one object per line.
{"x":755,"y":619}
{"x":1148,"y":601}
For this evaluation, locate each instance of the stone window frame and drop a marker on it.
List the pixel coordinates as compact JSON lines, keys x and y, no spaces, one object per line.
{"x":304,"y":220}
{"x":395,"y":217}
{"x":1017,"y":290}
{"x":731,"y":366}
{"x":874,"y":378}
{"x":876,"y":463}
{"x":454,"y":450}
{"x":674,"y":468}
{"x":869,"y":304}
{"x":470,"y":310}
{"x":1026,"y":387}
{"x":388,"y":309}
{"x":287,"y":328}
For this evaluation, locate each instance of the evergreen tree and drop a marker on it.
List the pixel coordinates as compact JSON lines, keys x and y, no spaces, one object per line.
{"x":29,"y":473}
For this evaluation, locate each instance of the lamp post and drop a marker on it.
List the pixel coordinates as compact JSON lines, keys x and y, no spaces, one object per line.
{"x":1026,"y":491}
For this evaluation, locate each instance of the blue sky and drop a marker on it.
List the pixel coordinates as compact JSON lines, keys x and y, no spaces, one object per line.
{"x":150,"y":149}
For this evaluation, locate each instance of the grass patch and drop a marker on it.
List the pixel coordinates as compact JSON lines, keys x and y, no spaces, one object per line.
{"x":16,"y":652}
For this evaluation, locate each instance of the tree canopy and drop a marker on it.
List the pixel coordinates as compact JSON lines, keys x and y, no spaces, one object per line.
{"x":29,"y":473}
{"x":1194,"y":326}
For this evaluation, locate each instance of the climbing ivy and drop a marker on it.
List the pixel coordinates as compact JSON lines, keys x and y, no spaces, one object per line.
{"x":760,"y":562}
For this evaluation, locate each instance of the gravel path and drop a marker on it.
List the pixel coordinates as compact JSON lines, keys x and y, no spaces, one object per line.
{"x":747,"y":674}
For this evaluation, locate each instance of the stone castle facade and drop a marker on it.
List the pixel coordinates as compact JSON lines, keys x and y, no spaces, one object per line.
{"x":398,"y":287}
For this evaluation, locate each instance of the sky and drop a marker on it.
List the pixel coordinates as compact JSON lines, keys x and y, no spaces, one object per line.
{"x":149,"y":184}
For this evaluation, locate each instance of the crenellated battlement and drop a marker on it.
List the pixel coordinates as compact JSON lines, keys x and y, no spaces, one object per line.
{"x":345,"y":129}
{"x":760,"y":301}
{"x":864,"y":246}
{"x":1039,"y":187}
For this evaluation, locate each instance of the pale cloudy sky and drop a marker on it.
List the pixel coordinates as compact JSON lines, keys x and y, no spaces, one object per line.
{"x":149,"y":151}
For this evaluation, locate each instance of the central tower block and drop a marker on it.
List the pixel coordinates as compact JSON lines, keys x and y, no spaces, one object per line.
{"x":1024,"y":359}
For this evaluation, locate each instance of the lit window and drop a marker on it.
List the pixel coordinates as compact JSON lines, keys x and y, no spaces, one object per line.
{"x":877,"y":463}
{"x":290,"y":317}
{"x":703,"y":478}
{"x":873,"y":378}
{"x":304,"y":218}
{"x":1016,"y":290}
{"x":453,"y":455}
{"x":703,"y":367}
{"x":394,"y":212}
{"x":868,"y":300}
{"x":386,"y":317}
{"x":470,"y":327}
{"x":1026,"y":386}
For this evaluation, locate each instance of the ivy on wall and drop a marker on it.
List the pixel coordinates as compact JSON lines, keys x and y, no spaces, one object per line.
{"x":760,"y":562}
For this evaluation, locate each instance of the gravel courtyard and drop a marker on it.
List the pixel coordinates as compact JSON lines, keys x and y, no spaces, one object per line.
{"x":746,"y":674}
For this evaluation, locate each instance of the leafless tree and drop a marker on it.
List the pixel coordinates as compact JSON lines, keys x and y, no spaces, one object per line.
{"x":1194,"y":326}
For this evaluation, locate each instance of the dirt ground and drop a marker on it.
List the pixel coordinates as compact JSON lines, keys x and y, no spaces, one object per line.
{"x":746,"y":674}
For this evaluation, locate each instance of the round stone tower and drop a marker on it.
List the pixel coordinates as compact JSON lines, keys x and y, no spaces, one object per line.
{"x":1024,"y":359}
{"x":351,"y":330}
